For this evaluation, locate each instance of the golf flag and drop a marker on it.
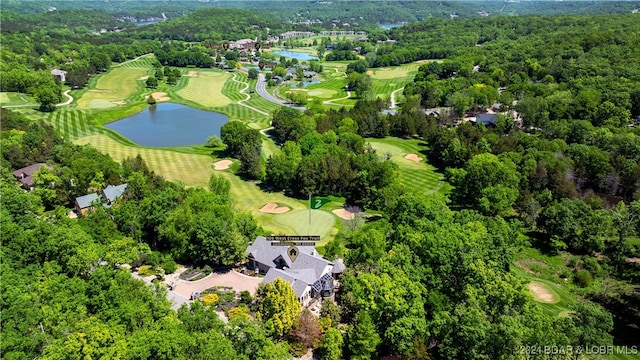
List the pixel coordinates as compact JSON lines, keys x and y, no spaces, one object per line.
{"x":316,"y":202}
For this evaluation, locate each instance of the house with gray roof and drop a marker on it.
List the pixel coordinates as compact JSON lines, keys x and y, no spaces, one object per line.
{"x":487,"y":119}
{"x":107,"y":198}
{"x":310,"y":275}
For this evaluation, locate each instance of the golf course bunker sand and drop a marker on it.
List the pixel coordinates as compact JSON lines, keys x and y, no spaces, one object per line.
{"x":273,"y":208}
{"x":542,"y":293}
{"x":344,"y":214}
{"x":160,"y":96}
{"x":413,"y":157}
{"x":192,"y":74}
{"x":143,"y":77}
{"x":222,"y":164}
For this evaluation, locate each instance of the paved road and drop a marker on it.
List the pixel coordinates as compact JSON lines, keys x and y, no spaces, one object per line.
{"x":261,"y":88}
{"x":69,"y":99}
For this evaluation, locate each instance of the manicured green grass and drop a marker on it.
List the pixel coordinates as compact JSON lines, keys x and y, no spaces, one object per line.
{"x":16,"y":99}
{"x":565,"y":298}
{"x":113,"y":88}
{"x":418,"y":177}
{"x":193,"y":170}
{"x":206,"y":89}
{"x":296,"y":222}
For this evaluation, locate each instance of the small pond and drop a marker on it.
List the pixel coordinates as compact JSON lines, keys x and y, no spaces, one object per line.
{"x":301,"y":56}
{"x":170,"y":124}
{"x":391,"y":26}
{"x":305,"y":83}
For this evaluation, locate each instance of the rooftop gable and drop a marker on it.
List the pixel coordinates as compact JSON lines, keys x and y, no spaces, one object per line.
{"x":86,"y":200}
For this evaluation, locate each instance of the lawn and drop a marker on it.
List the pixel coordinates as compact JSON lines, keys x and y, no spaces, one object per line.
{"x":16,"y":99}
{"x":417,"y":177}
{"x":562,"y":299}
{"x":204,"y":87}
{"x":193,"y":170}
{"x":113,"y":88}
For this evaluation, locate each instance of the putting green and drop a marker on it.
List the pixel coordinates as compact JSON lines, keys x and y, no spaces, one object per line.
{"x":100,"y":104}
{"x":323,"y":93}
{"x":206,"y":89}
{"x":297,"y":222}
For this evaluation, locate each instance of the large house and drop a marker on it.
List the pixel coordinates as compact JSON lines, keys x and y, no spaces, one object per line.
{"x":107,"y":198}
{"x":310,"y":275}
{"x":25,"y":175}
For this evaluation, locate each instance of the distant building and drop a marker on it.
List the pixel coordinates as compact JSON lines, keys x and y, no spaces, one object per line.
{"x":25,"y":175}
{"x":59,"y":75}
{"x":310,"y":275}
{"x":487,"y":119}
{"x":242,"y":45}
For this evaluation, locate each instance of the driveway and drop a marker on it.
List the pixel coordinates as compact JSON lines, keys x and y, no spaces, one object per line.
{"x":237,"y":281}
{"x":262,"y":91}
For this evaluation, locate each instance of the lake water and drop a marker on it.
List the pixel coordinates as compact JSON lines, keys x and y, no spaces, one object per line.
{"x":390,"y":26}
{"x":305,"y":83}
{"x":170,"y":124}
{"x":301,"y":56}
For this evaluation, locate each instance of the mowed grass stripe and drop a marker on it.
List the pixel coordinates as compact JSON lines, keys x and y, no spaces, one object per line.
{"x":192,"y":170}
{"x":418,"y":177}
{"x":204,"y":88}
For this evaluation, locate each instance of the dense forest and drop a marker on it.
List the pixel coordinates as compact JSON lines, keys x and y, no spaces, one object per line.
{"x":552,"y":187}
{"x":326,"y":13}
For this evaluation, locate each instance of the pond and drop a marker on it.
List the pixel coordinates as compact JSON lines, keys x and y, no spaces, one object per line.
{"x":391,"y":26}
{"x":170,"y":124}
{"x":301,"y":56}
{"x":305,"y":83}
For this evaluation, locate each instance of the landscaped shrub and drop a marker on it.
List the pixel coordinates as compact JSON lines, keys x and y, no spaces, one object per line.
{"x":297,"y":349}
{"x":169,"y":266}
{"x":146,"y":270}
{"x":584,"y":278}
{"x":210,"y":299}
{"x":245,"y":297}
{"x":239,"y":313}
{"x":207,"y":270}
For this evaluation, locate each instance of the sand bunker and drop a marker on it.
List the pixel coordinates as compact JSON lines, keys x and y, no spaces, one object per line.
{"x":120,"y":102}
{"x":160,"y":96}
{"x":413,"y":157}
{"x":143,"y":77}
{"x":222,"y":164}
{"x":192,"y":74}
{"x":344,"y":214}
{"x":273,"y":208}
{"x":369,"y":72}
{"x":541,"y":293}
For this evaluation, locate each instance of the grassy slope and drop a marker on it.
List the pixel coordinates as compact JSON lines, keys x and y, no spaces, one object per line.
{"x":205,"y":89}
{"x":116,"y":87}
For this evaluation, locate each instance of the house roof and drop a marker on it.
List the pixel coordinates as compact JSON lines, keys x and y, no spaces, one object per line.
{"x":262,"y":252}
{"x":86,"y":200}
{"x":112,"y":193}
{"x":306,"y":261}
{"x":338,"y":266}
{"x":25,"y":175}
{"x":308,"y":269}
{"x":487,"y":119}
{"x":299,"y":286}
